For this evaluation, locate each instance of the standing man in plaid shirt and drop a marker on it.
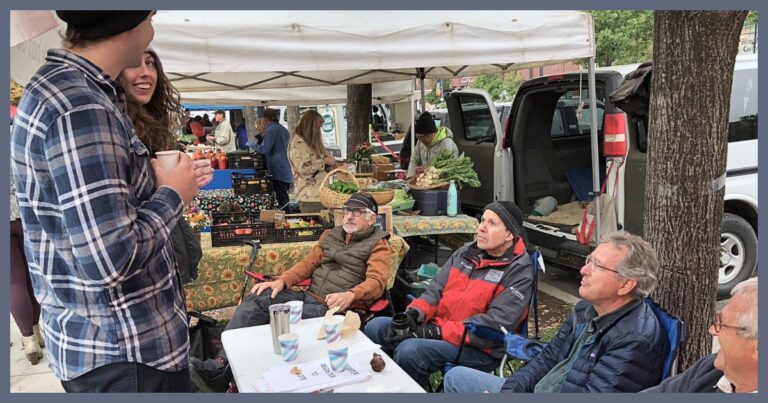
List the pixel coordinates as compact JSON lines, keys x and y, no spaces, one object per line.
{"x":97,"y":219}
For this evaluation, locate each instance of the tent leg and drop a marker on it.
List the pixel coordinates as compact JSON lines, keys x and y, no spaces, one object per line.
{"x":595,"y":150}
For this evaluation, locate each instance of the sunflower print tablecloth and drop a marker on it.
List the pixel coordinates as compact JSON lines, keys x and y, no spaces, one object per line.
{"x":220,"y":272}
{"x":406,"y":226}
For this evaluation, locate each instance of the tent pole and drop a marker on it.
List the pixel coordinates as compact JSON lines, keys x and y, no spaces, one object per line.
{"x":421,"y":74}
{"x":595,"y":150}
{"x":412,"y":135}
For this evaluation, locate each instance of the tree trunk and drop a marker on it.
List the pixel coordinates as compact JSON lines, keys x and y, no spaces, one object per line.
{"x":249,"y":113}
{"x":292,"y":116}
{"x":358,"y":115}
{"x":694,"y":54}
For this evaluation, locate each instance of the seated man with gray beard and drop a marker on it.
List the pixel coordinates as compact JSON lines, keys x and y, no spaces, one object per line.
{"x":349,"y":263}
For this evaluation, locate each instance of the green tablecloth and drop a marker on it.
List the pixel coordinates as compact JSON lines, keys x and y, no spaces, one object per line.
{"x":220,"y":273}
{"x":406,"y":226}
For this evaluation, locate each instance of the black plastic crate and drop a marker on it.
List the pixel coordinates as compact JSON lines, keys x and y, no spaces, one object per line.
{"x":301,"y":234}
{"x":244,"y":160}
{"x":259,"y":182}
{"x":231,"y":228}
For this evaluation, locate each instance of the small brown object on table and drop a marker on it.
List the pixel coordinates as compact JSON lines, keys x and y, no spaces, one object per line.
{"x":377,"y":363}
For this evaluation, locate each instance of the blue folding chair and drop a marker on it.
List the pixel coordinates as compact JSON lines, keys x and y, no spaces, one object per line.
{"x":674,"y":330}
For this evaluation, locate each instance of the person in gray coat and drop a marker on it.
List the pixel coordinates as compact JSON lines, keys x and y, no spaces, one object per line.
{"x":431,"y":142}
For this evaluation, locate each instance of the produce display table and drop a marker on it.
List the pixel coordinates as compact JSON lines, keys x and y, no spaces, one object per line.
{"x":222,"y":178}
{"x":433,"y":226}
{"x":220,"y":272}
{"x":208,"y":201}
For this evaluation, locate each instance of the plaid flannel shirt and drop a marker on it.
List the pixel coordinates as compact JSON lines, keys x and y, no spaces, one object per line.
{"x":97,"y":228}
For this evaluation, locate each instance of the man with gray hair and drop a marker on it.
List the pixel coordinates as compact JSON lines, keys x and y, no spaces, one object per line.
{"x":611,"y":341}
{"x":349,"y":263}
{"x":733,"y":369}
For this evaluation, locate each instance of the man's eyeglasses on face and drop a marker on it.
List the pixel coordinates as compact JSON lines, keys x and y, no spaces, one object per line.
{"x":589,"y":261}
{"x":356,"y":212}
{"x":718,"y":324}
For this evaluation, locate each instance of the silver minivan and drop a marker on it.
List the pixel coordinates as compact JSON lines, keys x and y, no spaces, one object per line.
{"x":543,"y":149}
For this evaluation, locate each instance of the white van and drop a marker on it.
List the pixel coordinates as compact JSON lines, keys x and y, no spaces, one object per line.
{"x":543,"y":149}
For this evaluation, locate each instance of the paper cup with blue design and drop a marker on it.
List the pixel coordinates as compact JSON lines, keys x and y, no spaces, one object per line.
{"x":332,"y":327}
{"x":296,"y":309}
{"x":289,"y":346}
{"x":338,"y":351}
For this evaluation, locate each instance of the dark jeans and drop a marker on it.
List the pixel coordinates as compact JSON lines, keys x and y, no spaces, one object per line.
{"x":254,"y":310}
{"x":129,"y":377}
{"x":281,"y":191}
{"x":419,"y":358}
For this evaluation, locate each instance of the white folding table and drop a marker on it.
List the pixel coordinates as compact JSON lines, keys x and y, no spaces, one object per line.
{"x":249,"y":351}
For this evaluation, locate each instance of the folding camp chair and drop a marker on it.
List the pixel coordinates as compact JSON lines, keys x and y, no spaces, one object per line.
{"x":519,"y":344}
{"x":675,"y":335}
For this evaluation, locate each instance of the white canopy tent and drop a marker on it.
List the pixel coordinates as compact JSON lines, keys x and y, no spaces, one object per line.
{"x":225,"y":50}
{"x":382,"y":93}
{"x":253,"y":50}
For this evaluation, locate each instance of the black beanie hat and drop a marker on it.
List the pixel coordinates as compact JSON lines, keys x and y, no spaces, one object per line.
{"x":425,"y":124}
{"x":102,"y":23}
{"x":510,"y":215}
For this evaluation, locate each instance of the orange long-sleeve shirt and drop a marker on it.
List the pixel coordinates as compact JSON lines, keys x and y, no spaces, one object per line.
{"x":376,"y":275}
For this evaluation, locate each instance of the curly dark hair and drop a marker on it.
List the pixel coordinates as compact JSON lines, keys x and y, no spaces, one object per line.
{"x":156,"y":121}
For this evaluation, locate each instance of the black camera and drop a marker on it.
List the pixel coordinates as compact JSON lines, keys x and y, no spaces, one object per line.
{"x":401,"y":324}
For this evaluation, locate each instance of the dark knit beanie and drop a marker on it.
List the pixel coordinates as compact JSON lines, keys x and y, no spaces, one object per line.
{"x":510,"y":215}
{"x":102,"y":23}
{"x":425,"y":124}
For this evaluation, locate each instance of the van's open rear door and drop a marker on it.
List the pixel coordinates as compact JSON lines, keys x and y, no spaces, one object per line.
{"x":477,"y":132}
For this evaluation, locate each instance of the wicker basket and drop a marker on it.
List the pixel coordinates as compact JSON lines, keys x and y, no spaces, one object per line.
{"x":333,"y":199}
{"x":434,"y":186}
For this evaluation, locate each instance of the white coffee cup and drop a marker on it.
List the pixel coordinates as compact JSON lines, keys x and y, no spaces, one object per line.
{"x":168,"y":159}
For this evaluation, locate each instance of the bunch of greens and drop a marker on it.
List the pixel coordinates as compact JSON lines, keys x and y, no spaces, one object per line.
{"x":459,"y":169}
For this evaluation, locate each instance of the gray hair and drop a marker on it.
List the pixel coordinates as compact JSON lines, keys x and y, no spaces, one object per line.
{"x":747,"y":319}
{"x":640,"y":263}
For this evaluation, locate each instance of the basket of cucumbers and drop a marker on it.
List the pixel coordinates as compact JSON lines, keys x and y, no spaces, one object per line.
{"x":337,"y":187}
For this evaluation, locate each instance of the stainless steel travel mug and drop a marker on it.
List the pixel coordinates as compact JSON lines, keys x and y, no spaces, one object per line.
{"x":279,"y":323}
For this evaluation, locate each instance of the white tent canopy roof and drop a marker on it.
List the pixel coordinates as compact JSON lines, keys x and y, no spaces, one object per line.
{"x":216,"y":50}
{"x":256,"y":50}
{"x":391,"y":92}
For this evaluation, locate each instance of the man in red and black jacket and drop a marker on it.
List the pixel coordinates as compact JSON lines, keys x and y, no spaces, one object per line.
{"x":489,"y":281}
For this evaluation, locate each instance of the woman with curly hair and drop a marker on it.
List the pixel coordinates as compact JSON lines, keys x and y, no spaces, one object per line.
{"x":154,"y":104}
{"x":154,"y":108}
{"x":309,"y":160}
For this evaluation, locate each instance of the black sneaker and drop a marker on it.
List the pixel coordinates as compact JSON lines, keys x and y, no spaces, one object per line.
{"x":212,"y":375}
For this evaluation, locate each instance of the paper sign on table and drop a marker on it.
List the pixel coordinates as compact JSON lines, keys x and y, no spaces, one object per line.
{"x":312,"y":376}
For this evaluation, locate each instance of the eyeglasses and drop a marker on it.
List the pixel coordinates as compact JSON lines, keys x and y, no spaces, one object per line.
{"x":589,"y":261}
{"x":356,"y":212}
{"x":718,"y":324}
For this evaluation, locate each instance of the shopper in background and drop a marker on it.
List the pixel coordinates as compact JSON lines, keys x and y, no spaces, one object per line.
{"x":310,"y":160}
{"x":274,"y":148}
{"x":224,"y":136}
{"x":24,"y":307}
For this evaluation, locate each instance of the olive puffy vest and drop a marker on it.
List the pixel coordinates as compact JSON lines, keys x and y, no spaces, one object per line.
{"x":343,"y":266}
